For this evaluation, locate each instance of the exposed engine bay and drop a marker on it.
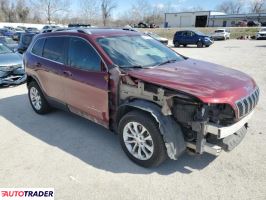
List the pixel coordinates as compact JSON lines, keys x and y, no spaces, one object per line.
{"x":192,"y":115}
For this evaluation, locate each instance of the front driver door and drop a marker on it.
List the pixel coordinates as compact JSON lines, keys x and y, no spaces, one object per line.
{"x":86,"y":82}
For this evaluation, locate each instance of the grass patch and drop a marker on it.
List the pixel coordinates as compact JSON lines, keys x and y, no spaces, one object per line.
{"x":236,"y":32}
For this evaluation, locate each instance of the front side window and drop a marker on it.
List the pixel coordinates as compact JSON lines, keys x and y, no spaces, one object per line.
{"x":38,"y":47}
{"x":54,"y":49}
{"x":82,"y":55}
{"x":137,"y":50}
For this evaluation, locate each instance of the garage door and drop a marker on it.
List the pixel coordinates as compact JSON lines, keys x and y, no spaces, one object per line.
{"x":185,"y":21}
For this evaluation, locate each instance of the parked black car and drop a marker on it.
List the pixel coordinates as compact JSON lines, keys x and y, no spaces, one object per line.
{"x":253,"y":23}
{"x":78,"y":25}
{"x":25,"y":41}
{"x":143,"y":25}
{"x":191,"y":37}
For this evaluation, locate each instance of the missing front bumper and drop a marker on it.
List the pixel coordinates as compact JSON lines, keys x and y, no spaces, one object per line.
{"x":213,"y":139}
{"x":13,"y":79}
{"x":224,"y":131}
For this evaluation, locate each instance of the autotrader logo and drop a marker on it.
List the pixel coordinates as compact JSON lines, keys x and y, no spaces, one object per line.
{"x":26,"y":193}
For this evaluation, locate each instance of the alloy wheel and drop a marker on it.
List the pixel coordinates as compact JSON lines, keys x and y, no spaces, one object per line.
{"x":138,"y":141}
{"x":35,"y":98}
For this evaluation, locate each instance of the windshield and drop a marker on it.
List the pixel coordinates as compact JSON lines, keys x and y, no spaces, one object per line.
{"x":4,"y":49}
{"x":137,"y":50}
{"x":263,"y":30}
{"x":199,"y":33}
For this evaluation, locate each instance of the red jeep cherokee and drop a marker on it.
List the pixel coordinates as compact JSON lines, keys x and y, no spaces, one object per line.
{"x":159,"y":102}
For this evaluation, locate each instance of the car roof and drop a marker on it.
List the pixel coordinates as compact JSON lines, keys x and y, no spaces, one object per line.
{"x":99,"y":32}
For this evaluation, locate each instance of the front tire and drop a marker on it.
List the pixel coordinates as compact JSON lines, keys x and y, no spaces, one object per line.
{"x":141,"y":139}
{"x":37,"y":99}
{"x":199,"y":44}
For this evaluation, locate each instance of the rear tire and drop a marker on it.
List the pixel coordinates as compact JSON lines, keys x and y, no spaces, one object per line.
{"x":177,"y":44}
{"x":37,"y":99}
{"x":133,"y":129}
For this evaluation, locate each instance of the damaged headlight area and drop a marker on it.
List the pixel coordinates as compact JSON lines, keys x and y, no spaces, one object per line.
{"x":188,"y":111}
{"x":191,"y":115}
{"x":12,"y":75}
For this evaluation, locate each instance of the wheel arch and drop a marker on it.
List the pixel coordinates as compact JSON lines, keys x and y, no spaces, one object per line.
{"x":31,"y":78}
{"x":169,"y":128}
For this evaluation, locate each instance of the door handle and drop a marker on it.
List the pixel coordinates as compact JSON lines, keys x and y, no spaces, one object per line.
{"x":38,"y":64}
{"x":67,"y":73}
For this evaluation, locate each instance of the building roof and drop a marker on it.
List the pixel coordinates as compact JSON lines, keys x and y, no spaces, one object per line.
{"x":238,"y":15}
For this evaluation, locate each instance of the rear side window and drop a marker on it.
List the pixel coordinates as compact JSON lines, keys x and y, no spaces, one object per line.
{"x":54,"y":49}
{"x":38,"y":47}
{"x":82,"y":55}
{"x":179,"y":33}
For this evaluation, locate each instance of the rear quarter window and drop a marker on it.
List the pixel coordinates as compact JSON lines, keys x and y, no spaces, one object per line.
{"x":37,"y":49}
{"x":54,"y":49}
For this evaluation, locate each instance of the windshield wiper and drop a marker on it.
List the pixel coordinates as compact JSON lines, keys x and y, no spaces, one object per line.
{"x":133,"y":66}
{"x":166,"y":62}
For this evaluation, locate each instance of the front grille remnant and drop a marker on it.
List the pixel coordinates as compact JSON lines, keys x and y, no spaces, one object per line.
{"x":247,"y":104}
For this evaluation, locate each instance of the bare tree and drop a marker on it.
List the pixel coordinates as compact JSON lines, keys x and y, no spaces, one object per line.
{"x":231,"y":6}
{"x":140,"y":9}
{"x":107,"y":7}
{"x":257,"y":6}
{"x":22,"y":11}
{"x":224,"y":7}
{"x":7,"y":10}
{"x":50,"y":8}
{"x":90,"y":10}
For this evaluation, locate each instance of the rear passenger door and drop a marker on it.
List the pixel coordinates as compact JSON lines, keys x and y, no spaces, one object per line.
{"x":189,"y":37}
{"x":50,"y":65}
{"x":86,"y":81}
{"x":186,"y":37}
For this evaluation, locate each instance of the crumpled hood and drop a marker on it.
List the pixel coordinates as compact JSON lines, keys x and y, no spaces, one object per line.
{"x":10,"y":59}
{"x":262,"y":32}
{"x":209,"y":82}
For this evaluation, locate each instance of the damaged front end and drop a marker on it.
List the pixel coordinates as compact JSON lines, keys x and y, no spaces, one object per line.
{"x":12,"y":75}
{"x":185,"y":121}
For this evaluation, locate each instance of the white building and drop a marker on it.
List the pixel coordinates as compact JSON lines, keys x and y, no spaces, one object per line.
{"x":208,"y":19}
{"x":189,"y":19}
{"x":231,"y":20}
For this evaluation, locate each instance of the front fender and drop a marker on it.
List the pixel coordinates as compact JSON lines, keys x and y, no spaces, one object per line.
{"x":169,"y":128}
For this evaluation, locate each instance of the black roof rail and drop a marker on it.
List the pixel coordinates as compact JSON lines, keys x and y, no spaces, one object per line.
{"x":80,"y":30}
